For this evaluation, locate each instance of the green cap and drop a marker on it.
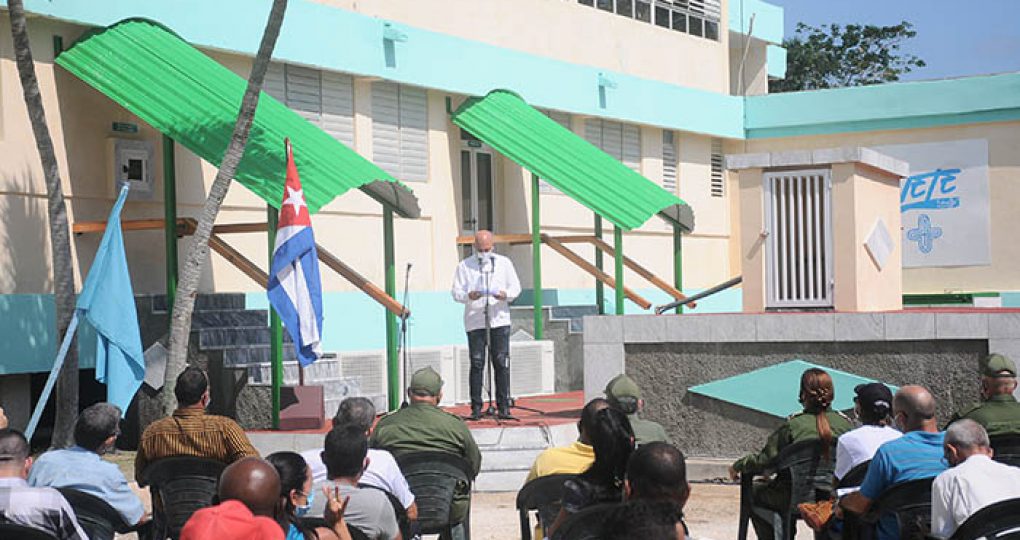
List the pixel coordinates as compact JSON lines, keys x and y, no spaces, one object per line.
{"x":622,"y":386}
{"x":426,"y":380}
{"x":995,"y":364}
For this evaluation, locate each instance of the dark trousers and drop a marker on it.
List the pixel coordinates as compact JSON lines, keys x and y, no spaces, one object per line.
{"x":499,"y":356}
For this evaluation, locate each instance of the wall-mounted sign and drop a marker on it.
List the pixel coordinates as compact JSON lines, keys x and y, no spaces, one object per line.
{"x":125,"y":127}
{"x":944,"y":203}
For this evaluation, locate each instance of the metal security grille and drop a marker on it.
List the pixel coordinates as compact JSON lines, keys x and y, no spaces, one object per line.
{"x":718,"y":182}
{"x":798,"y":239}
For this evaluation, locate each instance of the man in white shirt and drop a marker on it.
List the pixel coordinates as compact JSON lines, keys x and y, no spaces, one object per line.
{"x":973,"y":482}
{"x":873,"y":406}
{"x":382,"y":471}
{"x":486,"y":283}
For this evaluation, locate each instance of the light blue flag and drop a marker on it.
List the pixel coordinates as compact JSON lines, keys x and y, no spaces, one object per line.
{"x":107,"y":304}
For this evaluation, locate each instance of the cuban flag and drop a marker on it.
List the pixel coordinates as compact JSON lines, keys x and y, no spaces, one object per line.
{"x":295,"y":290}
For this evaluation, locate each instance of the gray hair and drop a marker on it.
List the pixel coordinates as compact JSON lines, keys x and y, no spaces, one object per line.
{"x":96,"y":424}
{"x":967,"y":433}
{"x":355,"y":411}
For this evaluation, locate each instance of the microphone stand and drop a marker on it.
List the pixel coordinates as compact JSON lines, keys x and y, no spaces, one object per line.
{"x":487,"y":348}
{"x":403,"y":332}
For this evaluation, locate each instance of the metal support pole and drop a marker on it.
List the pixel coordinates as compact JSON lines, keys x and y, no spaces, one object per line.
{"x":600,"y":288}
{"x":618,"y":248}
{"x":275,"y":326}
{"x":170,"y":224}
{"x":536,"y":255}
{"x":678,"y":263}
{"x":392,"y":359}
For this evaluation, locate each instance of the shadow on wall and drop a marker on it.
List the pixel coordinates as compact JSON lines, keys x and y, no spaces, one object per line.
{"x":24,"y":239}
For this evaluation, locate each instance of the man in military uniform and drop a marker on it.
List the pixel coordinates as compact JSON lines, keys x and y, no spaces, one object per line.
{"x":422,"y":426}
{"x":623,"y":394}
{"x":998,"y":411}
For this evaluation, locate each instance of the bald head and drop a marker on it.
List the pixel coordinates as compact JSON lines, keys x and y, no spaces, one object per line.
{"x":255,"y":483}
{"x":483,"y":241}
{"x":914,"y":409}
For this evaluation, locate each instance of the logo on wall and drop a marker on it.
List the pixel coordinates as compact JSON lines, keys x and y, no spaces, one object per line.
{"x":944,"y":203}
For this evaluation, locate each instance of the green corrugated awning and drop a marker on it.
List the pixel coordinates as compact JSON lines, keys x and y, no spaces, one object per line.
{"x":190,"y":97}
{"x":573,"y":165}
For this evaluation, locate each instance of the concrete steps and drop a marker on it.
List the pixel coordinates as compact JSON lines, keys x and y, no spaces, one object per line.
{"x":509,"y":451}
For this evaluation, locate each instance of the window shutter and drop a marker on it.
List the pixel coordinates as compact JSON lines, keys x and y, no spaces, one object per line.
{"x":385,"y":127}
{"x":304,"y":93}
{"x":668,"y":161}
{"x":275,"y":83}
{"x":414,"y":157}
{"x":717,"y":184}
{"x":338,"y":106}
{"x":622,"y":141}
{"x":631,"y":149}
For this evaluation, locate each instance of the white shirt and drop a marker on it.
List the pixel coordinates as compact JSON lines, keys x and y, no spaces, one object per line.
{"x":968,"y":487}
{"x":382,"y":472}
{"x":471,"y":277}
{"x":859,"y":445}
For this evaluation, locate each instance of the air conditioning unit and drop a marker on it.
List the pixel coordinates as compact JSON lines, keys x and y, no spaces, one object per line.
{"x":367,"y":367}
{"x":438,"y":358}
{"x":532,"y":370}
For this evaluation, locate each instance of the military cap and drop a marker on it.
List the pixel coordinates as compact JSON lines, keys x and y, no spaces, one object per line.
{"x":995,"y":364}
{"x":874,"y":397}
{"x":622,"y":386}
{"x":426,"y":380}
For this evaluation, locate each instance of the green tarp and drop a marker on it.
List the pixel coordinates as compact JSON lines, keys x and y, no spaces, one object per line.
{"x":777,"y":387}
{"x":190,"y":97}
{"x":571,"y":164}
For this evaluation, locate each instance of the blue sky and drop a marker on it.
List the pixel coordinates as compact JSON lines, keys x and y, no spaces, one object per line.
{"x":955,"y":38}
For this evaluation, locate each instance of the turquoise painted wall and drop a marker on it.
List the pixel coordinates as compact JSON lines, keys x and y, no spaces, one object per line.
{"x":340,"y":40}
{"x":28,"y":331}
{"x":768,"y":19}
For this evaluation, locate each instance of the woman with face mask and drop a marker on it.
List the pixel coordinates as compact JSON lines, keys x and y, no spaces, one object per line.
{"x":296,"y":492}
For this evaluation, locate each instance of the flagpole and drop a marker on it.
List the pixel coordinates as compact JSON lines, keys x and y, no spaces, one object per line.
{"x":275,"y":327}
{"x":52,"y":379}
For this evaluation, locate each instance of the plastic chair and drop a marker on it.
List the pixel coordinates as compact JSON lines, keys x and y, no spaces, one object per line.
{"x":398,"y":510}
{"x":97,"y":518}
{"x":1007,"y":449}
{"x":855,"y":476}
{"x":542,"y":494}
{"x":999,"y":520}
{"x":910,"y":502}
{"x":21,"y":532}
{"x":179,"y":487}
{"x":809,"y":476}
{"x":435,"y":478}
{"x":586,"y":524}
{"x":315,"y":522}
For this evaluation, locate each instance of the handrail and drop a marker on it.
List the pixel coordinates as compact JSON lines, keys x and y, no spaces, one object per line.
{"x":720,"y":287}
{"x":186,"y":226}
{"x":558,"y":247}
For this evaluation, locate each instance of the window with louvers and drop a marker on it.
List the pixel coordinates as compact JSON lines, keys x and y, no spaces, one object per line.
{"x":718,"y":184}
{"x":324,"y":98}
{"x":400,"y":130}
{"x":669,"y":161}
{"x":622,"y":141}
{"x":695,"y":17}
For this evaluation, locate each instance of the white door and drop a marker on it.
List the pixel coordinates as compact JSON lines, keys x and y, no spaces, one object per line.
{"x":476,"y":165}
{"x":798,"y":239}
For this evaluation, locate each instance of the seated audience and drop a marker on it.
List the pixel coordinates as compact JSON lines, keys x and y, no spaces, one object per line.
{"x":578,"y":456}
{"x":382,"y":472}
{"x":3,"y":419}
{"x":873,"y":406}
{"x":42,"y":508}
{"x":646,"y":520}
{"x":80,"y":467}
{"x":998,"y":412}
{"x":346,"y":458}
{"x":914,"y":456}
{"x":422,"y":426}
{"x":298,"y":494}
{"x":657,"y":473}
{"x":973,"y":482}
{"x":817,"y":421}
{"x":189,"y":431}
{"x":254,"y":482}
{"x":613,"y":441}
{"x":623,"y":393}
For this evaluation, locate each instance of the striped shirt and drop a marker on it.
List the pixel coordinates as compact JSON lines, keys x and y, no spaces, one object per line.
{"x":914,"y":456}
{"x":40,"y":508}
{"x":192,"y":432}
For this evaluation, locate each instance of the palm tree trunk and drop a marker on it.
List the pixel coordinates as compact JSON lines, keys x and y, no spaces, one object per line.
{"x":66,"y":401}
{"x":184,"y":303}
